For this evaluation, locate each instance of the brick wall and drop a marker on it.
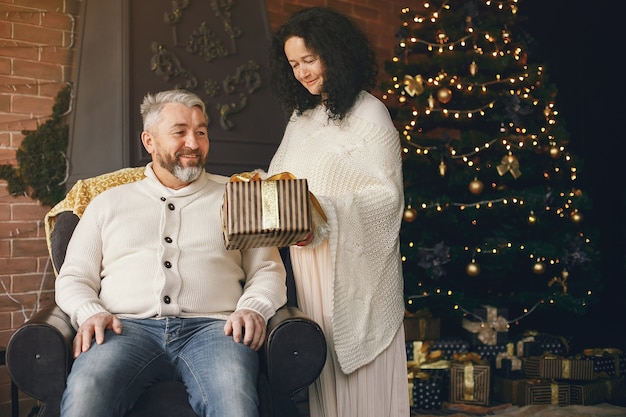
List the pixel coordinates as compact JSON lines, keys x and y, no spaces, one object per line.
{"x":379,"y":19}
{"x":37,"y":39}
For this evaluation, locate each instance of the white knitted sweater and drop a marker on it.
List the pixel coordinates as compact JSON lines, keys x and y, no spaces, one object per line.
{"x":141,"y":251}
{"x":354,"y":169}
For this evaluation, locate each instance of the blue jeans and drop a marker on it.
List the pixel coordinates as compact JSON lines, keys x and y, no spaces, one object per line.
{"x":219,"y":375}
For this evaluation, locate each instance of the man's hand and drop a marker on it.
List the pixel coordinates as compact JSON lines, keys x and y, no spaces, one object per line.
{"x":95,"y":326}
{"x":247,"y":324}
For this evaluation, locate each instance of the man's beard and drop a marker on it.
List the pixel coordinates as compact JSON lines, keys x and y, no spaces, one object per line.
{"x":185,"y":174}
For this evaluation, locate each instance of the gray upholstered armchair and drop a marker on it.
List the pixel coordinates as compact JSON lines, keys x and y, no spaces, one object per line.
{"x":39,"y":354}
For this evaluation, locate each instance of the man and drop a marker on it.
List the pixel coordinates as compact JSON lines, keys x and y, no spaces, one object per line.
{"x":151,"y":289}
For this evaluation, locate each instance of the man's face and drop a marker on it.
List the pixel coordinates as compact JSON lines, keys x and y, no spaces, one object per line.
{"x":178,"y":144}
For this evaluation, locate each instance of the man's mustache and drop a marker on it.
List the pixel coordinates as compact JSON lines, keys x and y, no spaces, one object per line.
{"x":188,"y":152}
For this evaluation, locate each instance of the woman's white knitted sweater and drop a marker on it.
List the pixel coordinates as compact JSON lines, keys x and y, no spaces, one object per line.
{"x":141,"y":251}
{"x":354,"y":169}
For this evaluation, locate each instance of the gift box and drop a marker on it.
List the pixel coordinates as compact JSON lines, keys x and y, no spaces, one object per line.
{"x":527,"y":346}
{"x":272,"y":212}
{"x":489,"y":352}
{"x":450,"y":346}
{"x":419,"y":356}
{"x":421,"y":328}
{"x":540,"y":391}
{"x":523,"y":391}
{"x":536,"y":344}
{"x":487,"y":325}
{"x":556,"y":367}
{"x":470,"y":382}
{"x":508,"y":390}
{"x":606,"y":361}
{"x":416,"y":352}
{"x":508,"y":365}
{"x":509,"y":368}
{"x":426,"y":391}
{"x":596,"y":391}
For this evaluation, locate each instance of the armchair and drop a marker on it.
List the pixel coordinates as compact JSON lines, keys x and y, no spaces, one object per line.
{"x":39,"y":354}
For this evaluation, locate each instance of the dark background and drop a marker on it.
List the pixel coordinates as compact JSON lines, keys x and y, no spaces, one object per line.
{"x":583,"y":58}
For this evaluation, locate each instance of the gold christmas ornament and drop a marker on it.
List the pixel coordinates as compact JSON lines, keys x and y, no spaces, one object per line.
{"x":547,"y":111}
{"x":539,"y":268}
{"x":444,"y":95}
{"x":576,"y":216}
{"x":431,"y":102}
{"x":555,"y":152}
{"x":472,"y":269}
{"x":473,"y":68}
{"x":443,"y":168}
{"x":409,"y":215}
{"x":414,"y":86}
{"x":476,"y":186}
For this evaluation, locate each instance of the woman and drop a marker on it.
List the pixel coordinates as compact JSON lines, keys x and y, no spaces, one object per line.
{"x":348,"y":271}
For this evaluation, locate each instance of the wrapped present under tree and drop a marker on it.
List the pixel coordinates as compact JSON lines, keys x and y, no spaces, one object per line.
{"x":487,"y":325}
{"x":470,"y":380}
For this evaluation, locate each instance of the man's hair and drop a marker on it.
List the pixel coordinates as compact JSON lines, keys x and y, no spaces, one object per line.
{"x":153,"y":104}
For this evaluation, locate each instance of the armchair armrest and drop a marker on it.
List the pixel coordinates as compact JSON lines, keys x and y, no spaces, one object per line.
{"x":294,"y":352}
{"x":39,"y":357}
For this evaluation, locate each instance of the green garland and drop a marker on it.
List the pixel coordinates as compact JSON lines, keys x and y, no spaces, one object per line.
{"x":41,"y":163}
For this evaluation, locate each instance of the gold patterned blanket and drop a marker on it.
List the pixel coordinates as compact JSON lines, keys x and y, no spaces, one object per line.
{"x":79,"y":196}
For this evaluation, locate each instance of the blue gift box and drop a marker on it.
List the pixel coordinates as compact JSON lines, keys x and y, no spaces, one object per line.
{"x":450,"y":346}
{"x":489,"y":352}
{"x":426,"y":392}
{"x":607,"y":362}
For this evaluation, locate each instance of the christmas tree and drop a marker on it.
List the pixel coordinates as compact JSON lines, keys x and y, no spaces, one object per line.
{"x":495,"y":208}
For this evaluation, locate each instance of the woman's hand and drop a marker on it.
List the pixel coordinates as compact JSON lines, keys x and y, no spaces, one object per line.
{"x":308,"y":239}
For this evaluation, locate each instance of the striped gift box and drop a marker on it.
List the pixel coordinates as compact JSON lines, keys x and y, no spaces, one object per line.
{"x":555,"y":367}
{"x":596,"y":391}
{"x":470,"y":383}
{"x":520,"y":391}
{"x":265,"y":213}
{"x":546,"y":392}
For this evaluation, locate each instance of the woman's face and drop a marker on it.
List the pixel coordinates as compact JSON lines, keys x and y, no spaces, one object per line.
{"x":307,"y":65}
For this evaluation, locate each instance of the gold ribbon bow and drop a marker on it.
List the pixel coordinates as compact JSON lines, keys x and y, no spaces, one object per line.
{"x":255,"y":176}
{"x":509,"y":163}
{"x":413,"y":85}
{"x":488,"y":330}
{"x":516,"y":363}
{"x":463,"y":357}
{"x":420,"y":352}
{"x":610,"y":351}
{"x":520,"y":345}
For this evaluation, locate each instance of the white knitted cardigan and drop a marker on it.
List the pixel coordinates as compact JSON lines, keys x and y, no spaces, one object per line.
{"x":354,"y":169}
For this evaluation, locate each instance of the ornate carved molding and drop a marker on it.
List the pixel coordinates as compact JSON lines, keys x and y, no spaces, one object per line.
{"x":207,"y":43}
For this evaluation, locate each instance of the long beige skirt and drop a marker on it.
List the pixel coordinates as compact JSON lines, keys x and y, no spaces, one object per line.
{"x":378,"y":389}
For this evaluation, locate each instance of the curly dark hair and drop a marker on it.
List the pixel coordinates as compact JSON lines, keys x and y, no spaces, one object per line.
{"x":345,"y":51}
